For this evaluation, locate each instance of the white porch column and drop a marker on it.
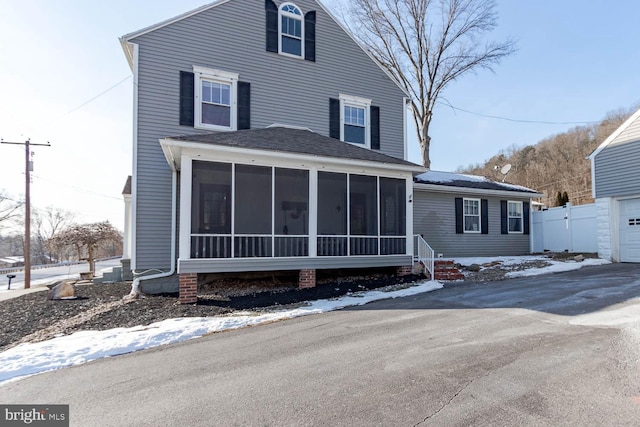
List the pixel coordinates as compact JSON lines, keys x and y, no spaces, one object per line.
{"x":409,"y":214}
{"x":313,"y":212}
{"x":184,"y":230}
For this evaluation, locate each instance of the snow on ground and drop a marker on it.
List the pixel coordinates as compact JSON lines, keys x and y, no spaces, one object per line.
{"x":80,"y":347}
{"x":555,"y":267}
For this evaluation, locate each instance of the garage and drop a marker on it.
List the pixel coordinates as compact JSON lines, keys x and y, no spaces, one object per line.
{"x":630,"y":230}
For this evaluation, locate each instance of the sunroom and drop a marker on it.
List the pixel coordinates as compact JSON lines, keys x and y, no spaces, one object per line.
{"x":289,"y":199}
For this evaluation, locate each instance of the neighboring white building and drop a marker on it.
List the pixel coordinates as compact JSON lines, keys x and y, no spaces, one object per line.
{"x":615,"y":168}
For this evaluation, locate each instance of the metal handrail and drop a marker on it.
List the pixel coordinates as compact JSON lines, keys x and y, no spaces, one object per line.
{"x":424,"y":254}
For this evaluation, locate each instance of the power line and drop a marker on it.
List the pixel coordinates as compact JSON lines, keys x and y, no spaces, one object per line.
{"x":542,"y":122}
{"x":95,"y":97}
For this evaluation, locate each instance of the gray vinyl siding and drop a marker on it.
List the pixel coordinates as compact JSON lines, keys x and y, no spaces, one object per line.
{"x":434,"y":218}
{"x":616,"y":170}
{"x":631,"y":133}
{"x":231,"y":37}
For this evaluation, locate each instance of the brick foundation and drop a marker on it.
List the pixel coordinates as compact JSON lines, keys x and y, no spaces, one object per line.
{"x":404,"y":270}
{"x":307,"y":279}
{"x":188,"y":288}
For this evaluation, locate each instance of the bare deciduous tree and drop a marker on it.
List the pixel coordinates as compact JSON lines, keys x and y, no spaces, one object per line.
{"x":86,"y":238}
{"x":47,"y":223}
{"x":9,"y":208}
{"x":427,"y":44}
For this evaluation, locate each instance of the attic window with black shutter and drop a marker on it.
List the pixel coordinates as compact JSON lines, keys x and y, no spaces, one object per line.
{"x":289,"y":31}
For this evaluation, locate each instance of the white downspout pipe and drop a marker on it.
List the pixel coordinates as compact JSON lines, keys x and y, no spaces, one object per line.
{"x":135,"y":286}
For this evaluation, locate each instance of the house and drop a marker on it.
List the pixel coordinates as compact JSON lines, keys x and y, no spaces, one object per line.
{"x":616,"y":190}
{"x":466,"y":215}
{"x":280,"y":145}
{"x":275,"y":145}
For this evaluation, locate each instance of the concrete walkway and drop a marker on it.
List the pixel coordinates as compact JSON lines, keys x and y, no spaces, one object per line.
{"x":14,"y":293}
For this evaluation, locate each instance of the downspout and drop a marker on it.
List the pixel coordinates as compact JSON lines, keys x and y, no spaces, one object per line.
{"x":135,"y":286}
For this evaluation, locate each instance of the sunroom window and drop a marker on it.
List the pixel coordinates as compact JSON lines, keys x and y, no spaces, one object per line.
{"x":291,"y":30}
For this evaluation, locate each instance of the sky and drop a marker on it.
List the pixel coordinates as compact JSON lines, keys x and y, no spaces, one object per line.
{"x":81,"y":347}
{"x":65,"y":80}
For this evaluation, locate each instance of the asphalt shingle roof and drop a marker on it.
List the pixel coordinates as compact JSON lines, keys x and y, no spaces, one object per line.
{"x":297,"y":141}
{"x":467,"y":181}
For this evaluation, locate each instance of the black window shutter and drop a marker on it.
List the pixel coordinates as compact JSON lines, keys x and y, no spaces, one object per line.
{"x":272,"y":25}
{"x":484,"y":216}
{"x":504,"y":221}
{"x":459,"y":216}
{"x":525,"y":217}
{"x":186,"y":98}
{"x":334,"y":118}
{"x":244,"y":105}
{"x":375,"y":127}
{"x":310,"y":36}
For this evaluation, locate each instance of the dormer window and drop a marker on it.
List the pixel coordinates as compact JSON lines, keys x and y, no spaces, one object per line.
{"x":291,"y":30}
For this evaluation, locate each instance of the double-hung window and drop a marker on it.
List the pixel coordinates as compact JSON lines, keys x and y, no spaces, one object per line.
{"x":215,"y":94}
{"x":291,"y":30}
{"x":354,"y":120}
{"x":471,"y":210}
{"x":515,"y":217}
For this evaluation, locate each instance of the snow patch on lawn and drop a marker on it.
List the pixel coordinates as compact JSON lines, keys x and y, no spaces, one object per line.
{"x":84,"y":346}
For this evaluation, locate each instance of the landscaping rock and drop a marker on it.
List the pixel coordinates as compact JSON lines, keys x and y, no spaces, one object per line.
{"x":474,"y":267}
{"x":63,"y":290}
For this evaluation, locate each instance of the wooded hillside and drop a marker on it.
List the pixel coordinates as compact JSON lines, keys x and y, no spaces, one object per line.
{"x":556,"y":164}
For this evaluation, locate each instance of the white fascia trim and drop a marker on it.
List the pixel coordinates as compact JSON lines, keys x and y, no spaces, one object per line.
{"x":173,"y":151}
{"x":134,"y":175}
{"x":593,"y":175}
{"x":348,"y":33}
{"x":405,"y":144}
{"x":614,"y":135}
{"x":473,"y":191}
{"x":170,"y":21}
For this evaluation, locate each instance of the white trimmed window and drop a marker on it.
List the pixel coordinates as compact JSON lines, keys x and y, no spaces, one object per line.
{"x":514,"y":216}
{"x":354,"y":120}
{"x":215,"y":99}
{"x":290,"y":30}
{"x":471,"y":212}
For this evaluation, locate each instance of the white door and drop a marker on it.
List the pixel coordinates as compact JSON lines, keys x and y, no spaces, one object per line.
{"x":630,"y":230}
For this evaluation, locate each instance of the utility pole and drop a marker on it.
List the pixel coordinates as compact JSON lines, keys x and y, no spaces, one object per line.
{"x":27,"y":207}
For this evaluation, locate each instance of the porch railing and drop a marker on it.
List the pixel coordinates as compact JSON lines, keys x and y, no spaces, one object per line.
{"x":260,"y":245}
{"x":423,"y":253}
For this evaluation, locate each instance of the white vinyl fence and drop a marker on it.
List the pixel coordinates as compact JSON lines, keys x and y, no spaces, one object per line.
{"x":566,"y":228}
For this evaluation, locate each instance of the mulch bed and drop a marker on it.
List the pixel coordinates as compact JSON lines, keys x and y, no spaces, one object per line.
{"x":32,"y":317}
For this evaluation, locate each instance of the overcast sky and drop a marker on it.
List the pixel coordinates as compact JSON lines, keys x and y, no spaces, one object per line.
{"x":64,"y":79}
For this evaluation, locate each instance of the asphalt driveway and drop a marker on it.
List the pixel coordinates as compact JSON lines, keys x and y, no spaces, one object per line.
{"x":560,"y":349}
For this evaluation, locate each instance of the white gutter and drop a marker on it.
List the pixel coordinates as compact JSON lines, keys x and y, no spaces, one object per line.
{"x":488,"y":192}
{"x":135,"y":286}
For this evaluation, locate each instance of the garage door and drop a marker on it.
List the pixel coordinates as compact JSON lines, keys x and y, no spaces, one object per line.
{"x":630,"y":230}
